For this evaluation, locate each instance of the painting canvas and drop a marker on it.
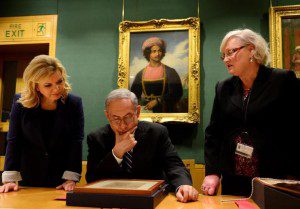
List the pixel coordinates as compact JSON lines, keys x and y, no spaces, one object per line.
{"x":176,"y":57}
{"x":291,"y":43}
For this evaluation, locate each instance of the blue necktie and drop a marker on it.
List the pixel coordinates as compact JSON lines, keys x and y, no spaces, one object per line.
{"x":127,"y":162}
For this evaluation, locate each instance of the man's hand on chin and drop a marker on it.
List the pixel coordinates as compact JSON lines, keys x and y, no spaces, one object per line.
{"x":124,"y":142}
{"x":187,"y":193}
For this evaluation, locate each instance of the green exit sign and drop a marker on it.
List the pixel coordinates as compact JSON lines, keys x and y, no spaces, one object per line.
{"x":14,"y":33}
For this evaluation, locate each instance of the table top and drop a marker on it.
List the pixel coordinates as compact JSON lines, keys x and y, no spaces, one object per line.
{"x":32,"y":198}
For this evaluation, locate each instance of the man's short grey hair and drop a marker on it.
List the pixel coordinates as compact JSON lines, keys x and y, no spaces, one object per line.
{"x":249,"y":37}
{"x":121,"y":94}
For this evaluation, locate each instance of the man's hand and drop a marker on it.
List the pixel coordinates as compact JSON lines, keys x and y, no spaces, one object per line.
{"x":210,"y":185}
{"x":7,"y":187}
{"x":150,"y":105}
{"x":187,"y":193}
{"x":67,"y":186}
{"x":124,"y":143}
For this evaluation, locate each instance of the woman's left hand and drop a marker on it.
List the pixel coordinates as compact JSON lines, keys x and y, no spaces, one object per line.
{"x":67,"y":186}
{"x":210,"y":184}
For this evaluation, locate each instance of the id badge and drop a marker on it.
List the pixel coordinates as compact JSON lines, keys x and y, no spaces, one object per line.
{"x":244,"y":150}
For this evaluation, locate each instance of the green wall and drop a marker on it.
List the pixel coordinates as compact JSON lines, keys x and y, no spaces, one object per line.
{"x":87,"y":44}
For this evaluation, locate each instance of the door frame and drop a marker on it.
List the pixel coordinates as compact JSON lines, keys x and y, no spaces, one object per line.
{"x":40,"y":29}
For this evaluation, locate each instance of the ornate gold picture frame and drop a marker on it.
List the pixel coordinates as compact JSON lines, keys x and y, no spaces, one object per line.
{"x":285,"y":37}
{"x":174,"y":88}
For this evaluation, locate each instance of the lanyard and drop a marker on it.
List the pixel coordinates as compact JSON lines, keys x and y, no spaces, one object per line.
{"x":244,"y":133}
{"x":245,"y":106}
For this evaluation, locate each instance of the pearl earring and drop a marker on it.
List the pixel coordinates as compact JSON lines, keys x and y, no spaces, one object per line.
{"x":251,"y":59}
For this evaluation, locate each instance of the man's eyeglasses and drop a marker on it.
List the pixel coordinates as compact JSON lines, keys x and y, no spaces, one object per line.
{"x":230,"y":52}
{"x":127,"y":119}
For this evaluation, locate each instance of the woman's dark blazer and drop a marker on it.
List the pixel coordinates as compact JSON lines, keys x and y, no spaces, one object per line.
{"x":26,"y":151}
{"x":272,"y":109}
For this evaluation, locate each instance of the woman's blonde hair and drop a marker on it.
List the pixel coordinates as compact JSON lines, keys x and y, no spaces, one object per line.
{"x":249,"y":37}
{"x":40,"y":67}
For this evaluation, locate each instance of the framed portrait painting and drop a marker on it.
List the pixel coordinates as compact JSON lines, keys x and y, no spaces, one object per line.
{"x":159,"y":62}
{"x":285,"y":37}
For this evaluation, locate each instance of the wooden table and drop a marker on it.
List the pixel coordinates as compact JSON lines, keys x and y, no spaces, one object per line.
{"x":43,"y":198}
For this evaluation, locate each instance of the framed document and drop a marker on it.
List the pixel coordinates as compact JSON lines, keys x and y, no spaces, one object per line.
{"x":119,"y":193}
{"x":276,"y":193}
{"x":119,"y":186}
{"x":285,"y":185}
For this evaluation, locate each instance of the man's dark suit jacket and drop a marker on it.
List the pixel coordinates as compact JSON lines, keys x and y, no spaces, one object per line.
{"x":273,"y":106}
{"x":154,"y":156}
{"x":27,"y":153}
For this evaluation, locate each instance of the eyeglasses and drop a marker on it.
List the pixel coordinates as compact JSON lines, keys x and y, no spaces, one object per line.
{"x":230,"y":52}
{"x":127,"y":119}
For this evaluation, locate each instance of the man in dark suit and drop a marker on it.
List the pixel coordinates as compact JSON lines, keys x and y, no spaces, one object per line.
{"x":127,"y":148}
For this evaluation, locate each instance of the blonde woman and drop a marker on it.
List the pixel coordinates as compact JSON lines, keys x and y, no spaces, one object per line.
{"x":44,"y":142}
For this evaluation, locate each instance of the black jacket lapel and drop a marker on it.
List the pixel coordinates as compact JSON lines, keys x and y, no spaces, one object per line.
{"x":36,"y":127}
{"x":260,"y":83}
{"x":58,"y":126}
{"x":138,"y":135}
{"x":258,"y":87}
{"x":236,"y":94}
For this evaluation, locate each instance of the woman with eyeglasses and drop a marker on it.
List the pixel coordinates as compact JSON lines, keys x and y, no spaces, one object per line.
{"x":250,"y":133}
{"x":44,"y":142}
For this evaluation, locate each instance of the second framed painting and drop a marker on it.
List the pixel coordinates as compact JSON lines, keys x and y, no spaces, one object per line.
{"x":159,"y":62}
{"x":285,"y":37}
